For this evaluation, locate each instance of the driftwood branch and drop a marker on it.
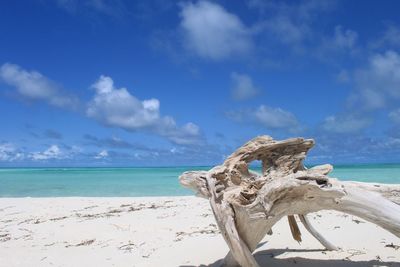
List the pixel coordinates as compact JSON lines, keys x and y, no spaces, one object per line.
{"x":246,"y":204}
{"x":328,"y":245}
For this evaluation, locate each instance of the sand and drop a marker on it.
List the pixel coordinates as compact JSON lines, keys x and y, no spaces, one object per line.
{"x":169,"y":231}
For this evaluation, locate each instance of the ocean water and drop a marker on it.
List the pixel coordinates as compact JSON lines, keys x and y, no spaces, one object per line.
{"x":125,"y":182}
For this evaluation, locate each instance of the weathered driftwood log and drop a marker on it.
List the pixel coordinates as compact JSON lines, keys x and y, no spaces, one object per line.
{"x":246,"y":204}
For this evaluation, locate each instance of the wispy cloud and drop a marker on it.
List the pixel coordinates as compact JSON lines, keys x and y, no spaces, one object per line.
{"x":102,"y":155}
{"x":345,"y":124}
{"x":114,"y":8}
{"x":110,"y":106}
{"x":343,"y":76}
{"x":378,"y":84}
{"x":375,"y":87}
{"x":44,"y":134}
{"x":53,"y":152}
{"x":295,"y":28}
{"x":354,"y":148}
{"x":115,"y":143}
{"x":394,"y":130}
{"x":8,"y":152}
{"x":52,"y":134}
{"x":345,"y":39}
{"x":33,"y":86}
{"x":211,"y":32}
{"x":268,"y":117}
{"x":243,"y":87}
{"x":289,"y":23}
{"x":390,"y":38}
{"x":395,"y":116}
{"x":341,"y":43}
{"x":11,"y":155}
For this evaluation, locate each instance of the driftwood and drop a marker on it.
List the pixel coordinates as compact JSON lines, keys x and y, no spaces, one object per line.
{"x":246,"y":204}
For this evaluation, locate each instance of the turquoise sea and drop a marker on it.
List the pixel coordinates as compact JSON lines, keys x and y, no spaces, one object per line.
{"x":124,"y":182}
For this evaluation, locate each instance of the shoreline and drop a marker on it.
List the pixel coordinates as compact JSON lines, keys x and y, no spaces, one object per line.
{"x":393,"y":193}
{"x":169,"y":231}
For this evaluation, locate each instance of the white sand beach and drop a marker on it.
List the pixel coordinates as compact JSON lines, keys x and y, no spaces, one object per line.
{"x":169,"y":231}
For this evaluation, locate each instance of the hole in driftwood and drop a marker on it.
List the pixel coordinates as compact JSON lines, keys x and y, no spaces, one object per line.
{"x":256,"y":166}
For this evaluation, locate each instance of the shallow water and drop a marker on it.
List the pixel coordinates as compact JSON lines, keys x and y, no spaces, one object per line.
{"x":124,"y":182}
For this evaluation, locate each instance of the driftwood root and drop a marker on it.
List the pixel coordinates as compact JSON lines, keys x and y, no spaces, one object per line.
{"x":246,"y":204}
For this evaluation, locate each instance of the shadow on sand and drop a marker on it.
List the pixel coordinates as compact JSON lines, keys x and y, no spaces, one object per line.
{"x":267,"y":258}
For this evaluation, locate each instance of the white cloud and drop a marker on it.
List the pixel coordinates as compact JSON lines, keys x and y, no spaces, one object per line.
{"x":34,"y":86}
{"x":53,"y":152}
{"x":344,"y":38}
{"x":118,"y":108}
{"x":390,"y":38}
{"x":377,"y":87}
{"x":343,"y":76}
{"x":76,"y":149}
{"x":345,"y":124}
{"x":102,"y":154}
{"x":392,"y":143}
{"x":289,"y":23}
{"x":243,"y":87}
{"x":275,"y":118}
{"x":188,"y":134}
{"x":379,"y":83}
{"x":343,"y":42}
{"x":395,"y":116}
{"x":286,"y":30}
{"x":268,"y":117}
{"x":212,"y":32}
{"x":110,"y":106}
{"x":9,"y":153}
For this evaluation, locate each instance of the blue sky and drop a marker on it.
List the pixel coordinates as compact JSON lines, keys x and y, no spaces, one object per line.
{"x":160,"y":83}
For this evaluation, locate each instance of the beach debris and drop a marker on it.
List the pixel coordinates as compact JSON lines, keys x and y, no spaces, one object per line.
{"x":207,"y":231}
{"x":82,"y":243}
{"x":5,"y":237}
{"x":128,"y":247}
{"x":391,"y":245}
{"x":58,"y":218}
{"x":90,"y":207}
{"x":247,"y":204}
{"x":114,"y":212}
{"x":357,"y":221}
